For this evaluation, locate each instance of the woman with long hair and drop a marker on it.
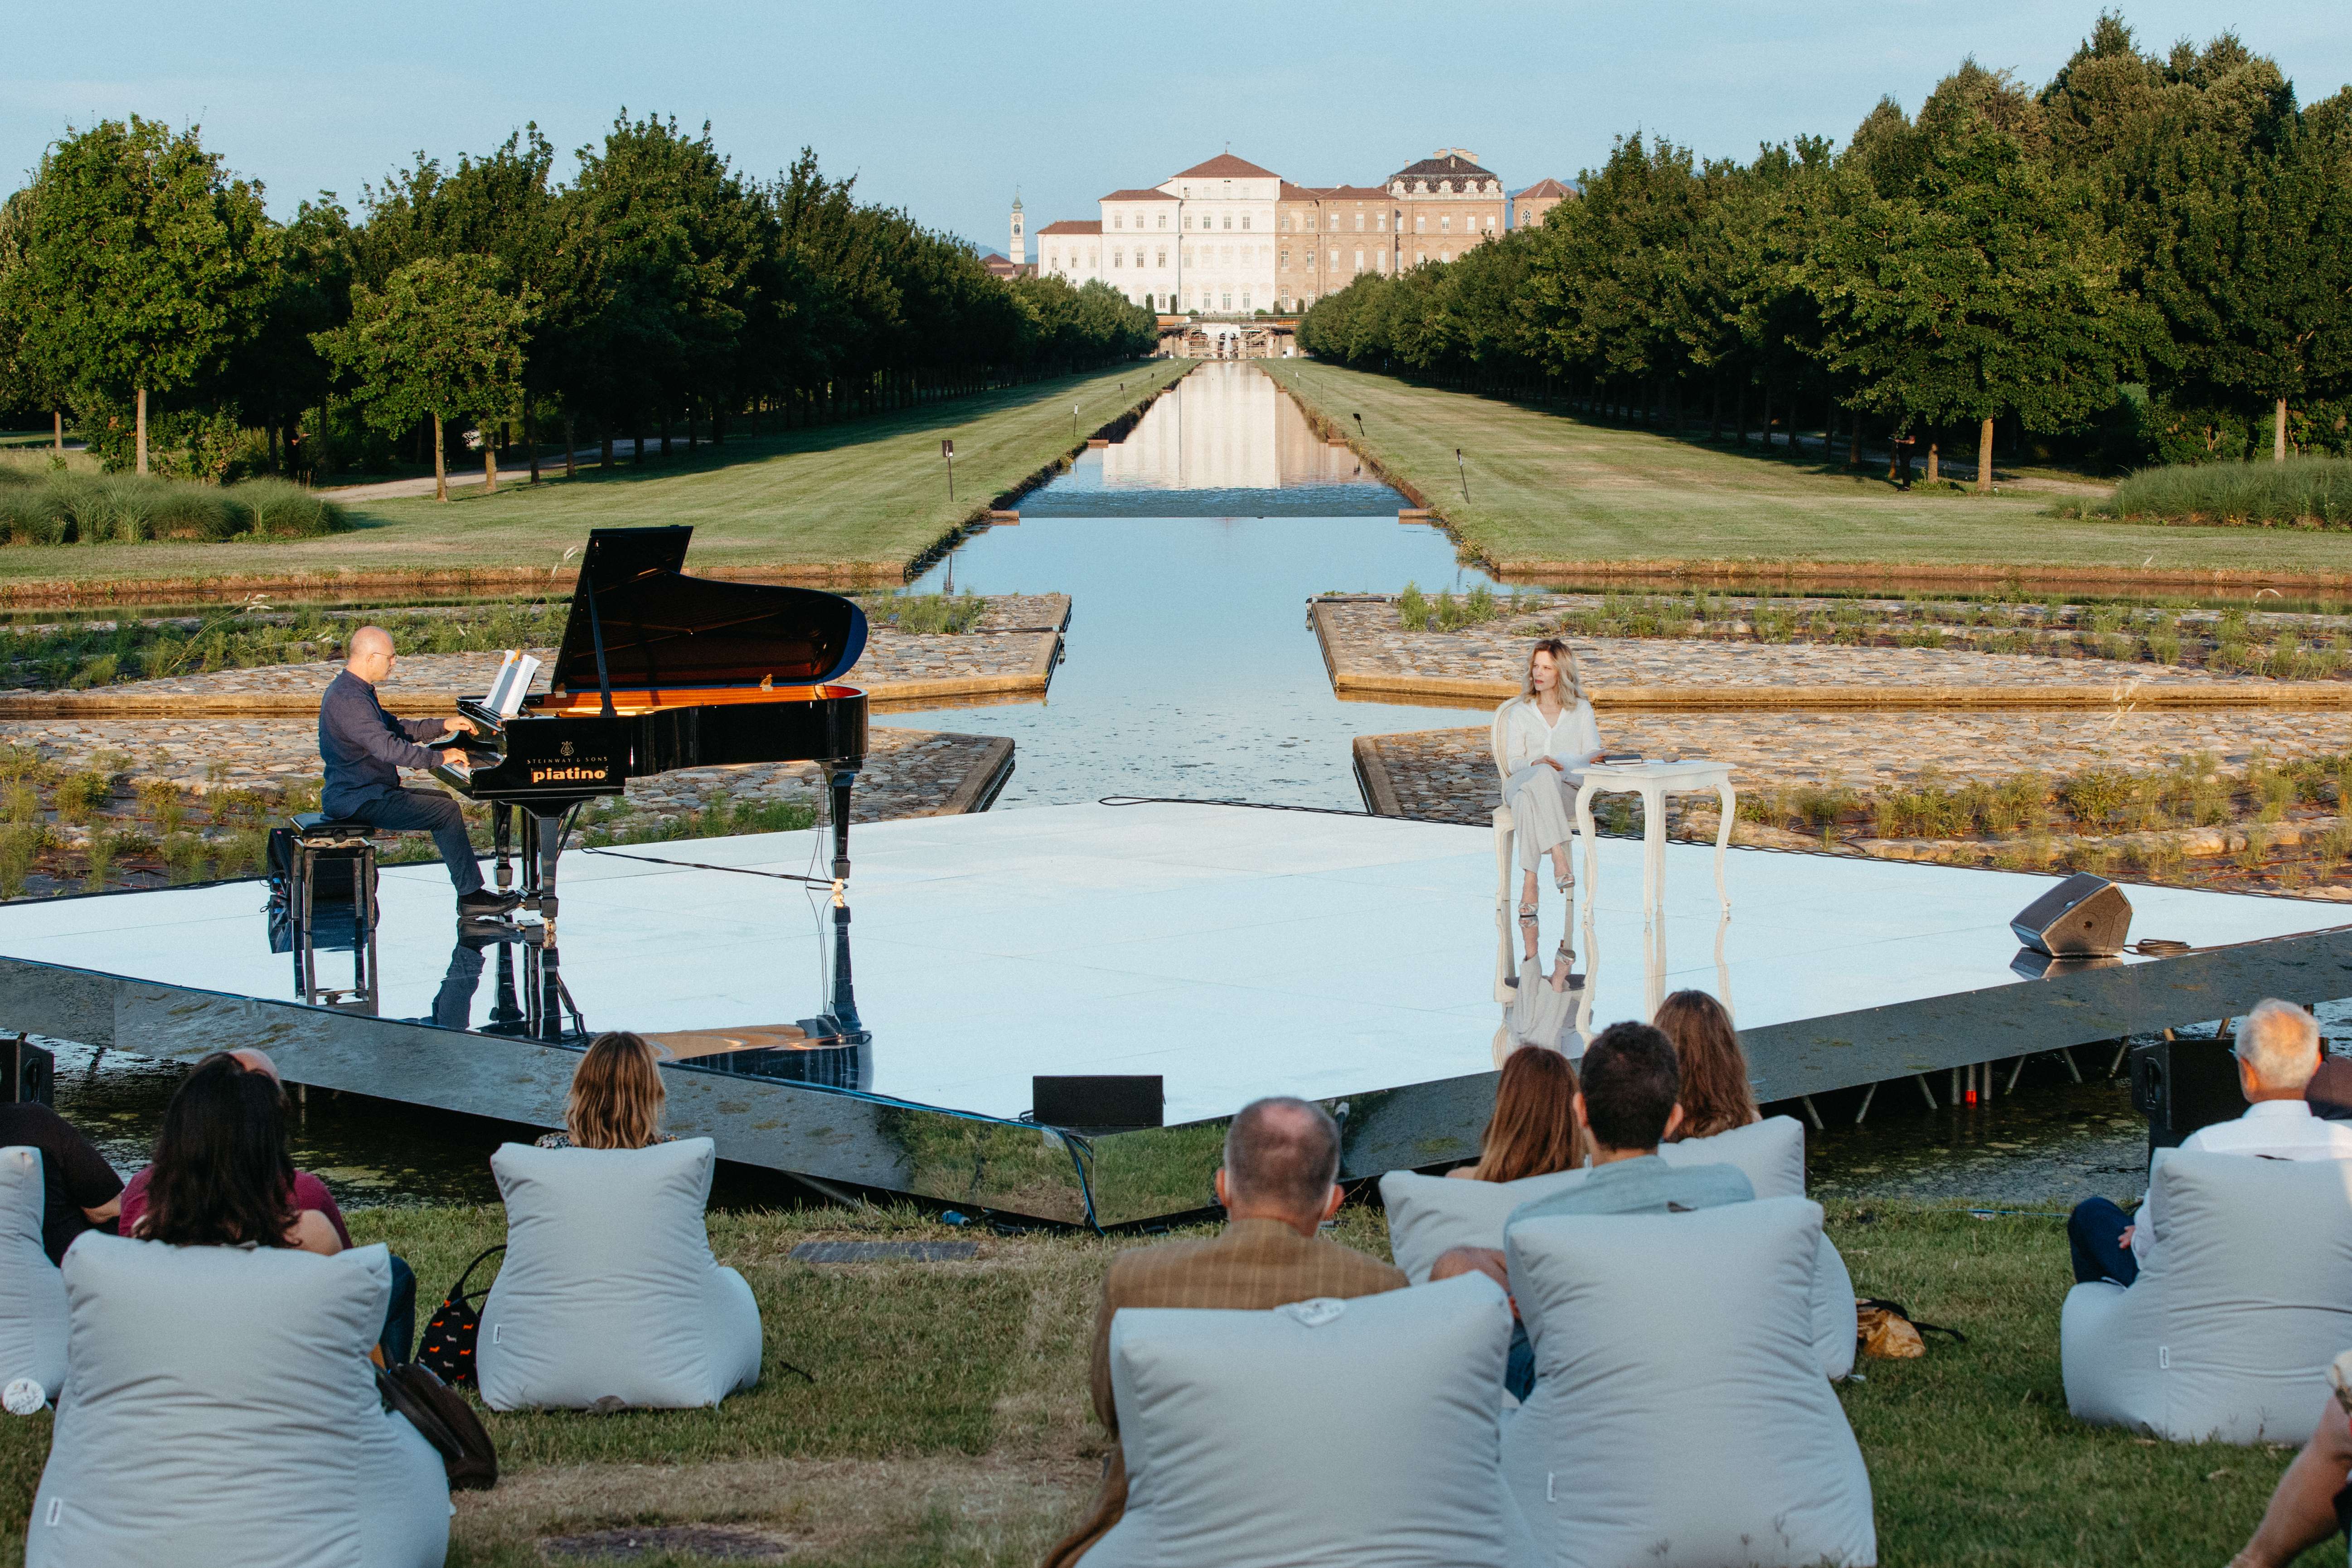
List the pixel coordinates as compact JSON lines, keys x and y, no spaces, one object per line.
{"x":616,"y":1097}
{"x":222,"y":1175}
{"x":1717,"y":1095}
{"x":1532,"y":1131}
{"x":1547,"y":735}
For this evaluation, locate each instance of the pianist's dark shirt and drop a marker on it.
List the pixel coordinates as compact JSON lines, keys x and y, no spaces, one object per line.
{"x":364,"y":748}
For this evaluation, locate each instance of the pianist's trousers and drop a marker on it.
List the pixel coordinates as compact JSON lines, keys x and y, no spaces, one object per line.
{"x":430,"y":811}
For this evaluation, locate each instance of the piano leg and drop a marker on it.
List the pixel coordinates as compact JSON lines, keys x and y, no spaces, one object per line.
{"x":842,"y":779}
{"x":502,"y":842}
{"x":549,"y":832}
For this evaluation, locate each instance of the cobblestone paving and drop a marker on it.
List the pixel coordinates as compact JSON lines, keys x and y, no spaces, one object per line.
{"x":909,"y":773}
{"x":1365,"y":639}
{"x":890,"y":658}
{"x":1450,"y":773}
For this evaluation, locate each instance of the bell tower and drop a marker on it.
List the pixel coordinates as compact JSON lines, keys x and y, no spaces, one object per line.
{"x":1020,"y":248}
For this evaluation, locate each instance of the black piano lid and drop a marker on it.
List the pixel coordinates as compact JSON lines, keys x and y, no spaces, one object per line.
{"x":663,"y":628}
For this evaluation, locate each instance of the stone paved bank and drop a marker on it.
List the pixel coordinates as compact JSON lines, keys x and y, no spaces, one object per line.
{"x":1370,"y":655}
{"x":1010,"y":655}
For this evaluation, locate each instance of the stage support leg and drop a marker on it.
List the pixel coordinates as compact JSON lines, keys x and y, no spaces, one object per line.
{"x":2066,"y":1055}
{"x":1867,"y":1096}
{"x":1926,"y":1089}
{"x":1811,"y":1114}
{"x":2015,"y":1073}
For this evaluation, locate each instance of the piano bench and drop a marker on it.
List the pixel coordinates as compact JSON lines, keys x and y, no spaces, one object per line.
{"x":314,"y":826}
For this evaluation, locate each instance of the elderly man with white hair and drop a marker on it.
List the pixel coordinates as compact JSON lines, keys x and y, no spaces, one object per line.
{"x":2277,"y":1052}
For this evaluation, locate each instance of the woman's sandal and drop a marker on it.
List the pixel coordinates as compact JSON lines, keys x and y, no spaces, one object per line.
{"x":1528,"y":913}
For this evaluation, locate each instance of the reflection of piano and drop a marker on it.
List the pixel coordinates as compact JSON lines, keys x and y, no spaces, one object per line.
{"x":658,"y":672}
{"x":834,"y":1049}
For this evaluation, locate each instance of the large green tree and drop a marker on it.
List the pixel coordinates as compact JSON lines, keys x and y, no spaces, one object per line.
{"x":1984,"y":287}
{"x":437,"y":341}
{"x":144,"y":265}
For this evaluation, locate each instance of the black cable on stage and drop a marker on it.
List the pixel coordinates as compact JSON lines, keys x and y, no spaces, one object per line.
{"x":701,"y":865}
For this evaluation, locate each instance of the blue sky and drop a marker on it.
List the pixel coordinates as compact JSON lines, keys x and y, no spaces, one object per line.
{"x":945,"y":109}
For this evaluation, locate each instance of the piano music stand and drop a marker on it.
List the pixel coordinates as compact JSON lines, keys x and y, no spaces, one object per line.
{"x":316,"y":837}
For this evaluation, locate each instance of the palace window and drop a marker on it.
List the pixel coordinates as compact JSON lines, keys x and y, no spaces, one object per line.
{"x":1229,"y":302}
{"x":1119,"y":258}
{"x":1245,"y":217}
{"x":1359,"y":261}
{"x":1445,"y":255}
{"x":1118,"y":220}
{"x":1228,"y":220}
{"x":1163,"y":220}
{"x":1380,"y":261}
{"x":1359,"y":223}
{"x":1159,"y":257}
{"x":1445,"y":223}
{"x":1420,"y":223}
{"x":1093,"y":260}
{"x":1286,"y":261}
{"x":1335,"y":262}
{"x":1380,"y":222}
{"x":1245,"y":300}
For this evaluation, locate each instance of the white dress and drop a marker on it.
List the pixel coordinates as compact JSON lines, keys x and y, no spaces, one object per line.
{"x":1542,"y":814}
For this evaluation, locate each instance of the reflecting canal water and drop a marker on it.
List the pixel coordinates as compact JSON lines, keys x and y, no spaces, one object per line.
{"x":1188,"y":552}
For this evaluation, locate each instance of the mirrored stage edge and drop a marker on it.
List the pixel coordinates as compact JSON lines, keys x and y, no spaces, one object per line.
{"x":1232,"y":951}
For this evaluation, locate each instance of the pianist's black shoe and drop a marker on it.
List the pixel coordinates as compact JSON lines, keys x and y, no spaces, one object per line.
{"x":485,"y":904}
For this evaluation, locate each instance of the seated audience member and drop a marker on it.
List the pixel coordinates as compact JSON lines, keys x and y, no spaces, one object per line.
{"x":2278,"y":1051}
{"x":221,"y":1176}
{"x":1278,"y":1184}
{"x":616,"y":1097}
{"x":1717,"y":1095}
{"x":310,"y":1193}
{"x":1532,"y":1131}
{"x":221,"y":1169}
{"x":80,"y":1189}
{"x":1626,"y":1109}
{"x":2313,"y":1499}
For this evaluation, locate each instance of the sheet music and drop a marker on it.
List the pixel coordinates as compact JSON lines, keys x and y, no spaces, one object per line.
{"x":507,"y":692}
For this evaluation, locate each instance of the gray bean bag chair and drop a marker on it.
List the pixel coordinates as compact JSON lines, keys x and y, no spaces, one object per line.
{"x":1679,"y":1418}
{"x":2229,"y":1329}
{"x":219,"y":1411}
{"x":608,"y":1288}
{"x":1359,"y":1433}
{"x":32,"y":1291}
{"x":1427,"y":1215}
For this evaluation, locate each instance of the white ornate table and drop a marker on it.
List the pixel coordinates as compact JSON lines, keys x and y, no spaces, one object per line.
{"x":1653,"y":782}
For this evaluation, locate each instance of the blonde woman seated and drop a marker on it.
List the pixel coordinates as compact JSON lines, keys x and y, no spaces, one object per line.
{"x":1547,"y":736}
{"x":1532,"y":1131}
{"x":616,"y":1098}
{"x":1717,"y":1094}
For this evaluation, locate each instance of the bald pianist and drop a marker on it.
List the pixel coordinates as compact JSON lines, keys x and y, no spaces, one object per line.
{"x":364,"y":748}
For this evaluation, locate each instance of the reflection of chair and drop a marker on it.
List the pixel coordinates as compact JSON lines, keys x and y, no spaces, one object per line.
{"x":2229,"y":1329}
{"x":319,"y":840}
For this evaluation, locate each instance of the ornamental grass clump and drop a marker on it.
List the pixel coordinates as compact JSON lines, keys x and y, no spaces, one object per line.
{"x":2302,"y":492}
{"x":74,"y":508}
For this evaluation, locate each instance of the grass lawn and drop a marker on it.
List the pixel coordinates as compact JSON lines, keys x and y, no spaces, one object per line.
{"x":948,"y":1423}
{"x":861,"y":499}
{"x":1549,"y":488}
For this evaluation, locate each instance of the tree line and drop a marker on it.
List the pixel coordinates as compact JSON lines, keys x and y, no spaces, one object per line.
{"x":146,"y":294}
{"x":2150,"y":258}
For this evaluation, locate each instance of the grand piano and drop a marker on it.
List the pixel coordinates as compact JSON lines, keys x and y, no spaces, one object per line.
{"x":657,"y":671}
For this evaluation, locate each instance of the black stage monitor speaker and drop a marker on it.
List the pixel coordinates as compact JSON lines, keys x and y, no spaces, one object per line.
{"x":2082,"y":917}
{"x":1098,"y":1103}
{"x":2182,"y":1084}
{"x":26,"y":1072}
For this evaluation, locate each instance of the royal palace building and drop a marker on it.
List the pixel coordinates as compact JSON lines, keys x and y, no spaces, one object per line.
{"x":1228,"y":237}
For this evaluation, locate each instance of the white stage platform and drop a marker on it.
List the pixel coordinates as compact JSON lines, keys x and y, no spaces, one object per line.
{"x":1232,"y":951}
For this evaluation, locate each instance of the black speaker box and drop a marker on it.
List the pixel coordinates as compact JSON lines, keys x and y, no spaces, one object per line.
{"x":1101,"y":1103}
{"x":26,"y":1072}
{"x":2182,"y":1084}
{"x":2082,"y":917}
